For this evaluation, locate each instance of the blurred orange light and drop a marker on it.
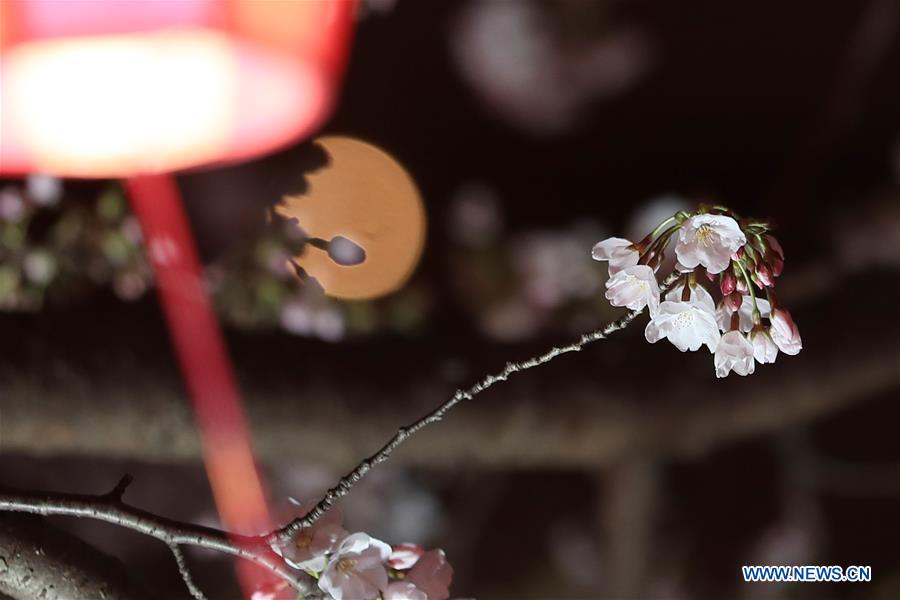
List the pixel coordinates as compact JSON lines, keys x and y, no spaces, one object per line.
{"x":366,"y":196}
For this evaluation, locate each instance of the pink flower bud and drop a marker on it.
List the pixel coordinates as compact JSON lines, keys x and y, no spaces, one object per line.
{"x":727,"y":283}
{"x":404,"y":556}
{"x":777,"y":267}
{"x":733,"y":301}
{"x":774,"y":245}
{"x":764,"y":275}
{"x":739,"y":254}
{"x":742,"y":286}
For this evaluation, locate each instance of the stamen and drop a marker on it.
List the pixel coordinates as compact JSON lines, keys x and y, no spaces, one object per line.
{"x":346,"y":565}
{"x":304,"y":539}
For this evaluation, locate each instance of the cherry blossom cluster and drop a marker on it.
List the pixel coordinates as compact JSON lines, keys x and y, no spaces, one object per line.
{"x":359,"y":567}
{"x":739,"y":254}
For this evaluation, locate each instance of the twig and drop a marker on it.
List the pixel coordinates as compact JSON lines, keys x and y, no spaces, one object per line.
{"x":348,"y":481}
{"x":117,"y":492}
{"x":185,"y":573}
{"x":111,"y":509}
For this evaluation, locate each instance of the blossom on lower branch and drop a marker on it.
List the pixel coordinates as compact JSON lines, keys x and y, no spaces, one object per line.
{"x":740,"y":254}
{"x":359,"y":567}
{"x":404,"y":556}
{"x":308,"y":549}
{"x":432,"y":574}
{"x":429,"y":577}
{"x":404,"y":590}
{"x":356,"y":570}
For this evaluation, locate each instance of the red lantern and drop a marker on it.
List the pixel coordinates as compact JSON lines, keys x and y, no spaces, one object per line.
{"x":137,"y":89}
{"x":95,"y":88}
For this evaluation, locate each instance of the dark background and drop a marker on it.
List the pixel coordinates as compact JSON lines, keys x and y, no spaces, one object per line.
{"x":788,"y":110}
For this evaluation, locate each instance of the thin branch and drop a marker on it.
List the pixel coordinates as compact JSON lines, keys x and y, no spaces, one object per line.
{"x":346,"y":483}
{"x":172,"y":533}
{"x":185,"y":572}
{"x":117,"y":492}
{"x":110,"y":507}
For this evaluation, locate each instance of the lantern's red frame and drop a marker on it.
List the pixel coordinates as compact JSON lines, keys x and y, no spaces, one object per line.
{"x":137,"y":89}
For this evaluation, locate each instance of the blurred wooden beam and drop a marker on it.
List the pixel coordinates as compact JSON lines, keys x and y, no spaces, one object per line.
{"x":545,"y":418}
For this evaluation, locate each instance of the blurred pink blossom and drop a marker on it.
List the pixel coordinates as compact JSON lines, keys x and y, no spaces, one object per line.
{"x":530,"y":74}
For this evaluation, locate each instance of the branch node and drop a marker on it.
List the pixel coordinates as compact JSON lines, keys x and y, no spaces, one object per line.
{"x":117,"y":492}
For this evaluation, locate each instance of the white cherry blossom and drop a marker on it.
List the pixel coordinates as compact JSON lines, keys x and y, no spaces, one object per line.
{"x":356,"y":571}
{"x":714,"y":245}
{"x":308,"y":548}
{"x":708,"y":240}
{"x":634,"y":287}
{"x":734,"y":353}
{"x":618,"y":251}
{"x":681,"y":268}
{"x":785,"y":333}
{"x":745,"y":313}
{"x":764,"y":349}
{"x":688,"y":325}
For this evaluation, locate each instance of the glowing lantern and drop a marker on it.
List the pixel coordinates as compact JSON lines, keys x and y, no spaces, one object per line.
{"x":94,"y":88}
{"x":136,"y":89}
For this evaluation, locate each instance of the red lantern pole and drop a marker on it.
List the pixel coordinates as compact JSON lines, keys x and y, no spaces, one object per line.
{"x":158,"y":87}
{"x":204,"y":363}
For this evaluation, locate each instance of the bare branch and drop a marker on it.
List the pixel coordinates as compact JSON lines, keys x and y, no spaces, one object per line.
{"x":172,"y":533}
{"x":185,"y":572}
{"x":347,"y":482}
